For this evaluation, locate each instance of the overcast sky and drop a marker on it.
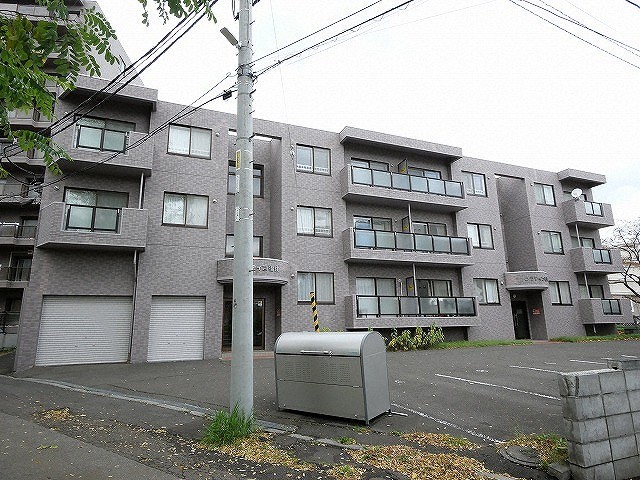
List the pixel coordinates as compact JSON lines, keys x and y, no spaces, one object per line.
{"x":483,"y":75}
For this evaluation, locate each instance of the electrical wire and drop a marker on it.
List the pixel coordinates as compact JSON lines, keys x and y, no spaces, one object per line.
{"x":633,"y":3}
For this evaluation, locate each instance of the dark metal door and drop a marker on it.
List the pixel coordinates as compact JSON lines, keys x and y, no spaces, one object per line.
{"x":520,"y":320}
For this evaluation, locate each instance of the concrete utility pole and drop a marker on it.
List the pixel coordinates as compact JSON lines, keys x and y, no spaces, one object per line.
{"x":242,"y":326}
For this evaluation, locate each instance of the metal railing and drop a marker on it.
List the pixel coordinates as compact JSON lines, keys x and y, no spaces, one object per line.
{"x":593,"y":208}
{"x":601,"y":255}
{"x":8,"y":319}
{"x":402,"y":181}
{"x":92,"y":219}
{"x":611,"y":306}
{"x":15,"y":274}
{"x":376,"y":306}
{"x":419,"y":242}
{"x":17,"y":231}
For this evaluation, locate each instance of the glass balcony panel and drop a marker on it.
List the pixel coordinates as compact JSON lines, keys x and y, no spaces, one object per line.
{"x":364,"y":238}
{"x":606,"y":256}
{"x":89,"y":137}
{"x":419,"y":184}
{"x":429,"y":306}
{"x":385,"y":239}
{"x":381,"y":179}
{"x":459,"y":245}
{"x":361,"y":175}
{"x":106,"y":219}
{"x":409,"y":306}
{"x":400,"y":181}
{"x":436,"y":186}
{"x":424,"y":243}
{"x":114,"y":141}
{"x":441,"y":244}
{"x":79,"y":217}
{"x":447,"y":306}
{"x":453,"y":189}
{"x":597,"y":209}
{"x":389,"y":306}
{"x":367,"y":305}
{"x":404,"y":241}
{"x":466,"y":306}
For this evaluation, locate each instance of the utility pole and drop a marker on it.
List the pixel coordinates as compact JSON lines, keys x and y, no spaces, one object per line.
{"x":242,"y":326}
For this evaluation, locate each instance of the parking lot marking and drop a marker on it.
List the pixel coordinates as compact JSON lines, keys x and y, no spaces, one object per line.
{"x":536,"y":369}
{"x":587,"y":361}
{"x":498,"y":386}
{"x":448,"y":424}
{"x":629,"y":356}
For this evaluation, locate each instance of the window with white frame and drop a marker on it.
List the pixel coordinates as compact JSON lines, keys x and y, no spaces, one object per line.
{"x":381,"y":287}
{"x":313,"y":159}
{"x":551,"y":242}
{"x":544,"y":194}
{"x":185,"y":210}
{"x":319,"y":283}
{"x":560,"y":293}
{"x":191,"y":141}
{"x":229,"y":246}
{"x":474,"y":183}
{"x":481,"y":235}
{"x":486,"y":290}
{"x":314,"y":221}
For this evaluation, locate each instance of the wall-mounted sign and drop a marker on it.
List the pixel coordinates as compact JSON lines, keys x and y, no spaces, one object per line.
{"x":536,"y":311}
{"x":267,"y":268}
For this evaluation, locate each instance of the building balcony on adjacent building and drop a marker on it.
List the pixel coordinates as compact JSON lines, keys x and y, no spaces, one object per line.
{"x":604,"y":310}
{"x":371,"y":311}
{"x":596,"y":260}
{"x":16,"y":234}
{"x":390,"y":188}
{"x":18,"y":156}
{"x":14,"y":277}
{"x":378,"y":246}
{"x":93,"y":227}
{"x":28,"y":118}
{"x":587,"y":214}
{"x":12,"y":192}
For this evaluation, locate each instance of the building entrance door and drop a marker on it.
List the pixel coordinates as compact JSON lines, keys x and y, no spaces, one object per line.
{"x":520,"y":320}
{"x":258,"y":323}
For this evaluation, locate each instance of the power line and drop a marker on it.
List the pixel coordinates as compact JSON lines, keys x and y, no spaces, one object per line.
{"x":633,"y":3}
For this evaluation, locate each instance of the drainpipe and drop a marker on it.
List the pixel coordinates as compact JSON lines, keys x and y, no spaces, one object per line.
{"x":415,"y":280}
{"x":578,"y":234}
{"x":135,"y":266}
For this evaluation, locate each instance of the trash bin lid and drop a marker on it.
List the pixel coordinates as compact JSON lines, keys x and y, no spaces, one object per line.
{"x":325,"y":343}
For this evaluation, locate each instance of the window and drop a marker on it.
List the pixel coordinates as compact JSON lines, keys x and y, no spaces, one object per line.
{"x":486,"y":289}
{"x":320,"y":283}
{"x":101,"y":134}
{"x":585,"y":242}
{"x":382,"y":287}
{"x":93,"y":210}
{"x":481,"y":235}
{"x":313,"y":160}
{"x":258,"y":179}
{"x":427,"y":228}
{"x":560,"y":293}
{"x":594,"y":291}
{"x":257,"y":246}
{"x":28,"y":227}
{"x":314,"y":221}
{"x":431,"y":287}
{"x":372,"y":223}
{"x":20,"y":270}
{"x":552,"y":242}
{"x":544,"y":194}
{"x":373,"y":165}
{"x":474,"y":183}
{"x":423,"y":172}
{"x":185,"y":210}
{"x":191,"y":141}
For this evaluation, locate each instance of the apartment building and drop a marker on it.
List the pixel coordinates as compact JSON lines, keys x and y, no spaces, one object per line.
{"x":130,"y":257}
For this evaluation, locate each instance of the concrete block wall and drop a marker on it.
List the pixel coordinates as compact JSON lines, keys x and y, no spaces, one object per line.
{"x":601,"y":410}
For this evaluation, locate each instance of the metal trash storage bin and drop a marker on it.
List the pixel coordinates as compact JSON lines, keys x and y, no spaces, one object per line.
{"x":342,"y":374}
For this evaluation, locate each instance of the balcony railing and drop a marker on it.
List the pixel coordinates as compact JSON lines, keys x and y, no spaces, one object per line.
{"x":401,"y":181}
{"x":8,"y":321}
{"x":611,"y":306}
{"x":17,"y":231}
{"x":15,"y":274}
{"x":593,"y":208}
{"x":375,"y":306}
{"x":410,"y":241}
{"x":92,"y":219}
{"x":601,"y":255}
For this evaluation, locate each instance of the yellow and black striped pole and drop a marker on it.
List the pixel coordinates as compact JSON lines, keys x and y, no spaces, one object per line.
{"x":314,"y":311}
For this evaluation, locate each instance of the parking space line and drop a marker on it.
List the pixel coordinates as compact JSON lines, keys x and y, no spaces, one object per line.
{"x":498,"y":386}
{"x":448,"y":424}
{"x":536,"y":369}
{"x":629,"y":356}
{"x":587,"y":361}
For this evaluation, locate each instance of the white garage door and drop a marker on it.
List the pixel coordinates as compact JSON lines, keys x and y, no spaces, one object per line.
{"x":79,"y":329}
{"x":176,"y":330}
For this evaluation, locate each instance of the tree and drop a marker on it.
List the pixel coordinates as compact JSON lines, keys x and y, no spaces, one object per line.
{"x":627,"y":238}
{"x":74,"y":43}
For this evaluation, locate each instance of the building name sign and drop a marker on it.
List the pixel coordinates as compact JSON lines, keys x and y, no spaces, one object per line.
{"x":534,"y":279}
{"x":267,"y":268}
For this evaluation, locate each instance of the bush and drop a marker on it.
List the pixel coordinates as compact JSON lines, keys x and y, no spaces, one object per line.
{"x":435,"y":336}
{"x":227,"y":428}
{"x":420,"y":340}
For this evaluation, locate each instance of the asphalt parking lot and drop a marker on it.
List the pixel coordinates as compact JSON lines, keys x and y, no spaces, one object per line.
{"x":486,"y":394}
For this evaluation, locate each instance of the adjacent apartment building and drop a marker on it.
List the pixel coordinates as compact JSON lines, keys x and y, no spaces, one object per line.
{"x":130,"y":257}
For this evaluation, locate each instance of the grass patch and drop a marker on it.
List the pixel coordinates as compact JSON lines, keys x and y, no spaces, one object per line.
{"x":550,"y":447}
{"x":6,"y":350}
{"x":598,"y":338}
{"x":228,"y":428}
{"x":347,"y":440}
{"x":440,"y":440}
{"x":346,"y":472}
{"x":480,"y":343}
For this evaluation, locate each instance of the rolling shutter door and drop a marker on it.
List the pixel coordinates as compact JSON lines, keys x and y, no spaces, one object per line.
{"x":176,"y":330}
{"x":84,"y":329}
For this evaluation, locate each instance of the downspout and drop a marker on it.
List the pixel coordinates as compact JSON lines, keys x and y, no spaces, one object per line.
{"x":135,"y":268}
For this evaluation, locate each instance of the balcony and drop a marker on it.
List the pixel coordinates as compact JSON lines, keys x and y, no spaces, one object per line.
{"x":9,"y":323}
{"x":587,"y":214}
{"x":526,"y":280}
{"x":30,"y":118}
{"x":604,"y":310}
{"x":14,"y":234}
{"x":399,"y":189}
{"x":14,"y":277}
{"x":376,"y":246}
{"x":270,"y":271}
{"x":368,"y":311}
{"x":86,"y":227}
{"x":595,"y":260}
{"x":32,"y":157}
{"x":18,"y":193}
